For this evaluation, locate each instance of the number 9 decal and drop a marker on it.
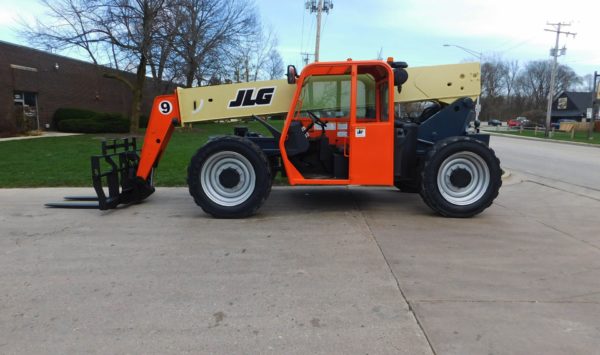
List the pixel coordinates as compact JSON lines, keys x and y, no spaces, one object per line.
{"x":165,"y":107}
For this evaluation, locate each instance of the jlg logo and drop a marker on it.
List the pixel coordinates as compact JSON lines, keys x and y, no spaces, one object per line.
{"x":245,"y":98}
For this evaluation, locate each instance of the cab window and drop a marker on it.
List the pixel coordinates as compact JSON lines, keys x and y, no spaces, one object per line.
{"x":326,"y":96}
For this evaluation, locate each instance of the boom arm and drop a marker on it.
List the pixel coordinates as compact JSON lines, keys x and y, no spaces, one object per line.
{"x":163,"y":118}
{"x":444,"y":83}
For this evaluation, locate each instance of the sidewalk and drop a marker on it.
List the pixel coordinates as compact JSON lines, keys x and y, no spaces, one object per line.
{"x":495,"y":133}
{"x":44,"y":134}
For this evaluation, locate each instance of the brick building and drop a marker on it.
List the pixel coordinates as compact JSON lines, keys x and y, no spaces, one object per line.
{"x":34,"y":84}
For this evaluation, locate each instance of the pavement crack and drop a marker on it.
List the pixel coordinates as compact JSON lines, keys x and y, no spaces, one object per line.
{"x":568,"y":299}
{"x":568,"y":235}
{"x":561,"y":301}
{"x":561,"y":189}
{"x":389,"y":266}
{"x":571,"y":236}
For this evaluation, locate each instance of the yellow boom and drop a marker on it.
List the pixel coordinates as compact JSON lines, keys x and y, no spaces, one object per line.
{"x":444,"y":83}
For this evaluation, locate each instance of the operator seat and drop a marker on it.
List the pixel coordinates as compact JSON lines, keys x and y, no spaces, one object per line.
{"x":297,"y":142}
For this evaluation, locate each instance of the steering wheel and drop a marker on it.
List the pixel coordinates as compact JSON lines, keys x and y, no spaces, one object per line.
{"x":317,"y":120}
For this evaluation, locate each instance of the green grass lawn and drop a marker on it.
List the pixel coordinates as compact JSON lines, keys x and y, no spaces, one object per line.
{"x":557,"y":135}
{"x":65,"y":161}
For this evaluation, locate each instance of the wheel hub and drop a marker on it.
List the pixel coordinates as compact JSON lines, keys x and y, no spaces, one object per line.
{"x":463,"y":178}
{"x":460,"y":177}
{"x":229,"y":178}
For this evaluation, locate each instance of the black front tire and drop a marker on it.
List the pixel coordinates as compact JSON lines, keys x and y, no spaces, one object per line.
{"x":229,"y":177}
{"x":461,"y":177}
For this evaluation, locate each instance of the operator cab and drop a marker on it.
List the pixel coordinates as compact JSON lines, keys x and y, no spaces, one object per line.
{"x":340,"y":127}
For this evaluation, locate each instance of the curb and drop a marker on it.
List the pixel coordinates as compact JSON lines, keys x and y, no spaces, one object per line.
{"x":492,"y":133}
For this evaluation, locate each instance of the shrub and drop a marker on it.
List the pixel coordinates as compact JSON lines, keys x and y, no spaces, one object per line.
{"x":100,"y":123}
{"x":87,"y":121}
{"x":71,"y":114}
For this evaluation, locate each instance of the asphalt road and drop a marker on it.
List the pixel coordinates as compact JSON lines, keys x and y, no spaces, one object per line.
{"x":326,"y":270}
{"x":566,"y":163}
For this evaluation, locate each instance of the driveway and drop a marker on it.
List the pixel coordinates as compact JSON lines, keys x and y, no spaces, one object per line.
{"x":320,"y":270}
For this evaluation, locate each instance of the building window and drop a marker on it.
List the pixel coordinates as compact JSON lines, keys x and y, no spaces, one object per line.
{"x":25,"y":110}
{"x":562,"y":103}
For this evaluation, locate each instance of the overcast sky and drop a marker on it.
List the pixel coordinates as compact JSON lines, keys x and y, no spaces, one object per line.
{"x":414,"y":30}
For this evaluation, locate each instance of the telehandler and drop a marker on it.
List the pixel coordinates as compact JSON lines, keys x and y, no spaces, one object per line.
{"x":341,"y":128}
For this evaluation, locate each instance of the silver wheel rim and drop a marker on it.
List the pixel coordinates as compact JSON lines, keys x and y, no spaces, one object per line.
{"x":476,"y":188}
{"x":211,"y":184}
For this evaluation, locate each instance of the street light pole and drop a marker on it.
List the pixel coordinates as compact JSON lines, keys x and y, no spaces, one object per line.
{"x":479,"y":56}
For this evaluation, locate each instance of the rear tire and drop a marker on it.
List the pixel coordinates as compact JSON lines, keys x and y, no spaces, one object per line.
{"x":461,"y":177}
{"x":229,"y":177}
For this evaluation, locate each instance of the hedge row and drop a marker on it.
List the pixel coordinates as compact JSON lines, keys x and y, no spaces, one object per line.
{"x":96,"y":124}
{"x":72,"y":114}
{"x":86,"y":121}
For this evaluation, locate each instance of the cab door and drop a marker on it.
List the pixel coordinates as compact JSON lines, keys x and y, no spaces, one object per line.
{"x":371,"y":139}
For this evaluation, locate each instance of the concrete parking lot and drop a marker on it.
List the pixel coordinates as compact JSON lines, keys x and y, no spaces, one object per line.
{"x":330,"y":270}
{"x":319,"y":270}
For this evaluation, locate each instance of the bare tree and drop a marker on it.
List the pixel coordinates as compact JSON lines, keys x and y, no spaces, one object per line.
{"x":274,"y":67}
{"x":121,"y":31}
{"x":68,"y":25}
{"x":510,"y":77}
{"x":257,"y":58}
{"x":587,"y":83}
{"x":162,"y":59}
{"x":209,"y":26}
{"x":132,"y":26}
{"x":534,"y":82}
{"x":492,"y":74}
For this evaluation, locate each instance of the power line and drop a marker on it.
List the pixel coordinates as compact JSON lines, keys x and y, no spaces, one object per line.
{"x":302,"y":34}
{"x":519,"y":44}
{"x":555,"y":52}
{"x":324,"y":24}
{"x":310,"y":29}
{"x":305,"y":53}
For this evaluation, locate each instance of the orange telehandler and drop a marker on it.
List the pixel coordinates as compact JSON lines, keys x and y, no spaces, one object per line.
{"x":341,"y":128}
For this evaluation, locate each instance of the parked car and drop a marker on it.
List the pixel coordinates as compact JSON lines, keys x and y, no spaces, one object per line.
{"x":494,"y":122}
{"x":556,"y":125}
{"x":519,"y":121}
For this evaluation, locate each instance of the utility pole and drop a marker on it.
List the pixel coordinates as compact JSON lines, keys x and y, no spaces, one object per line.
{"x":305,"y":57}
{"x":594,"y":111}
{"x":554,"y":52}
{"x":318,"y":6}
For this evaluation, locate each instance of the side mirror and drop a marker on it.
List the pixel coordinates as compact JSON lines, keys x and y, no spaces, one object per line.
{"x":400,"y":77}
{"x":292,"y":74}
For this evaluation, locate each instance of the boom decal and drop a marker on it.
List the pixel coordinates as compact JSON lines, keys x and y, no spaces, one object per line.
{"x":245,"y":98}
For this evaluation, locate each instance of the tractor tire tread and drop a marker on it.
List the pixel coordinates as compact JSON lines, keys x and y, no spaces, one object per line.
{"x":429,"y":191}
{"x":254,"y":202}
